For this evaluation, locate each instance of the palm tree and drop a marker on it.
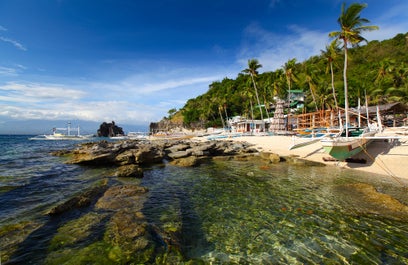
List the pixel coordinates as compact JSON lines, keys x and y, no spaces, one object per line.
{"x":331,"y":53}
{"x":247,"y":95}
{"x":290,"y":77}
{"x":267,"y":87}
{"x":351,"y":27}
{"x":400,"y":75}
{"x":310,"y":78}
{"x":252,"y":70}
{"x":278,"y":84}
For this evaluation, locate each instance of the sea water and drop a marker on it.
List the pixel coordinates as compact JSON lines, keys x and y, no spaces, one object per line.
{"x":228,"y":212}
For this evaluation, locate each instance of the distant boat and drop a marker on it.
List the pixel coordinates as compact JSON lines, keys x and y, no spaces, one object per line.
{"x":137,"y":135}
{"x":58,"y":135}
{"x":130,"y":136}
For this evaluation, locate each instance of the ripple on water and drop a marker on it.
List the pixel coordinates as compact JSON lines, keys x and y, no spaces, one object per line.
{"x":224,"y":212}
{"x":276,"y":215}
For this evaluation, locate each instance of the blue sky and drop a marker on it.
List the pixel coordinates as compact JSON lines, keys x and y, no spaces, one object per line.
{"x":131,"y":61}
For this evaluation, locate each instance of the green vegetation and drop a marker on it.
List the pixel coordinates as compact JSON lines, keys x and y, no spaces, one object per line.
{"x":377,"y":69}
{"x":351,"y":27}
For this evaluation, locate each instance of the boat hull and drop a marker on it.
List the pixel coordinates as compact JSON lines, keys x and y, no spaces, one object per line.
{"x":342,"y":148}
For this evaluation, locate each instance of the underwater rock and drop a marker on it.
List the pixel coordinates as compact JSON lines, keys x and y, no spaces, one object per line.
{"x":129,"y":171}
{"x":271,"y":157}
{"x":129,"y":232}
{"x":126,"y":196}
{"x":82,"y":200}
{"x":294,"y":160}
{"x":186,"y":162}
{"x":244,"y":157}
{"x":365,"y":199}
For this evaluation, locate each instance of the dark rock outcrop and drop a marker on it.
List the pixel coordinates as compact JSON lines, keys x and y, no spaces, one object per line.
{"x":109,"y":130}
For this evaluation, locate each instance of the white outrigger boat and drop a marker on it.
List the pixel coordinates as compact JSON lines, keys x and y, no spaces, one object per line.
{"x":351,"y":142}
{"x":57,"y":135}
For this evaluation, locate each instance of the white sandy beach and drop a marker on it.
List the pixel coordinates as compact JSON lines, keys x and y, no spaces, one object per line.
{"x":382,"y":157}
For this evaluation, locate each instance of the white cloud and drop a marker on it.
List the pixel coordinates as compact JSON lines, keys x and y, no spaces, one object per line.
{"x":11,"y":71}
{"x":7,"y":71}
{"x":274,"y":50}
{"x":132,"y":100}
{"x":391,"y":22}
{"x":15,"y":43}
{"x":34,"y":92}
{"x":170,"y":84}
{"x":120,"y":111}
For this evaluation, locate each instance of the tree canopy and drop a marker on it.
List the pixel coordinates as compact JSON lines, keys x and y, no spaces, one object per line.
{"x":378,"y":69}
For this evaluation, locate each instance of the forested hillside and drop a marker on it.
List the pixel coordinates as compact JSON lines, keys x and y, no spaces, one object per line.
{"x":377,"y":69}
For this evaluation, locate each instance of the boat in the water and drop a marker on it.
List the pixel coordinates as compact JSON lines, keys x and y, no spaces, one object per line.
{"x":57,"y":134}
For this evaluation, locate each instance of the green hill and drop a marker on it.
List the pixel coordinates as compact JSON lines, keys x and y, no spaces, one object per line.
{"x":377,"y":69}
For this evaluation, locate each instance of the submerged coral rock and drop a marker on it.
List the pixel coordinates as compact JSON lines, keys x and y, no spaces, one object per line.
{"x":365,"y":199}
{"x":271,"y":157}
{"x":126,"y":196}
{"x":82,"y":200}
{"x":129,"y":171}
{"x":186,"y":162}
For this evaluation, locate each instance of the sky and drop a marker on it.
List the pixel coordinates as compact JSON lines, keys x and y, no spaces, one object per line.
{"x":131,"y":61}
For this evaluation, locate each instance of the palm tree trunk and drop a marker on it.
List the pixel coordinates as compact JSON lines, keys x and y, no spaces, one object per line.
{"x":332,"y":83}
{"x":252,"y":116}
{"x":287,"y":116}
{"x":314,"y":98}
{"x":346,"y":103}
{"x":222,"y":119}
{"x":259,"y":103}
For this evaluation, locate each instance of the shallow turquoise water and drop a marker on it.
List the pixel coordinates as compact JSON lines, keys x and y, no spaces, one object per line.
{"x":226,"y":212}
{"x":246,"y":213}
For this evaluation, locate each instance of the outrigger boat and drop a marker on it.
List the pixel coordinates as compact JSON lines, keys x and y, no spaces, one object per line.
{"x":352,"y":139}
{"x":348,"y":145}
{"x":57,"y":135}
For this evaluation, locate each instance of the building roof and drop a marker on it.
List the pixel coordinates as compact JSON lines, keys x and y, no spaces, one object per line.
{"x":294,"y":91}
{"x":390,"y":108}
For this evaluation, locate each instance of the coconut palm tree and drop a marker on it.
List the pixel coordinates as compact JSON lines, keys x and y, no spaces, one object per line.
{"x":330,"y":54}
{"x":351,"y":27}
{"x":310,"y":77}
{"x":290,"y":77}
{"x":252,"y":70}
{"x":278,"y":84}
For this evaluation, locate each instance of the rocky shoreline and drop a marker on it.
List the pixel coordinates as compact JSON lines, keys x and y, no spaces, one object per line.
{"x":129,"y":156}
{"x":128,"y":235}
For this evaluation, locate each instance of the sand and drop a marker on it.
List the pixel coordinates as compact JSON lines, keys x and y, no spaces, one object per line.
{"x":382,"y":157}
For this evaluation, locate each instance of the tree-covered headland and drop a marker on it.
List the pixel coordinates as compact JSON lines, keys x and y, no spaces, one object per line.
{"x":376,"y":71}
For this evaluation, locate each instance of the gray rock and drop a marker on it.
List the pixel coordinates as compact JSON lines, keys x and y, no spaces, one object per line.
{"x":179,"y":154}
{"x":82,"y":200}
{"x":127,"y":171}
{"x":186,"y":162}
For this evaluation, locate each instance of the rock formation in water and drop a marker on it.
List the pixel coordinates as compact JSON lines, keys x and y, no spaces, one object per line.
{"x":109,"y":130}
